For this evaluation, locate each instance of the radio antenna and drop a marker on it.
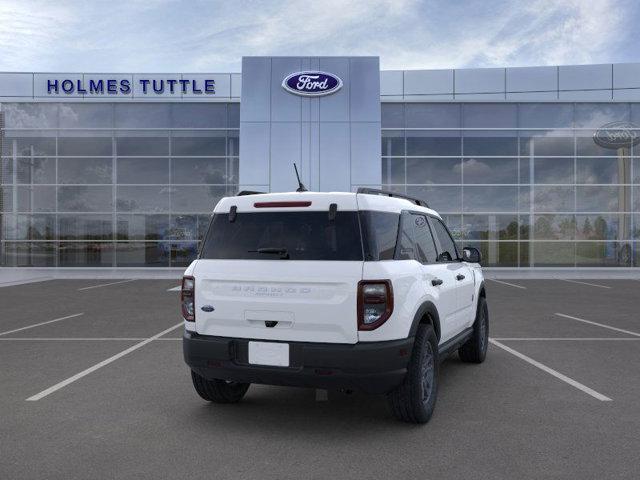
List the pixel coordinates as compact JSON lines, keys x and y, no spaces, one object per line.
{"x":301,"y":187}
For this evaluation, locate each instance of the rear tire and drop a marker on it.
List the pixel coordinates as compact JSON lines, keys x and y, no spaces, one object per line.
{"x":474,"y":350}
{"x":219,"y":391}
{"x":415,"y":399}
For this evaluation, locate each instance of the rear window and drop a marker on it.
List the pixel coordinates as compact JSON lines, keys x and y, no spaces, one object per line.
{"x":284,"y":235}
{"x":380,"y":233}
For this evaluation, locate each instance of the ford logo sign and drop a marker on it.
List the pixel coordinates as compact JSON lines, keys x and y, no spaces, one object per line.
{"x":312,"y":84}
{"x":617,"y":135}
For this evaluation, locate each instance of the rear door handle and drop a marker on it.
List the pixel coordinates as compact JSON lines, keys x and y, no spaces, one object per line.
{"x":459,"y":277}
{"x":436,"y":281}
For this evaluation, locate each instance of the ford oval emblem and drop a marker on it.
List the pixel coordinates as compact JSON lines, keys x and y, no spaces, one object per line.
{"x":312,"y":83}
{"x":207,"y":308}
{"x":617,"y":135}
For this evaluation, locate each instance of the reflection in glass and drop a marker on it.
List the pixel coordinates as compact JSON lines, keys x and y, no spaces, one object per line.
{"x":183,"y":253}
{"x":36,"y":198}
{"x":490,"y":170}
{"x":21,"y":254}
{"x":546,"y":144}
{"x":497,"y":254}
{"x":142,"y":227}
{"x":601,"y":198}
{"x":441,"y":199}
{"x":433,"y":143}
{"x":603,"y":226}
{"x":142,"y":254}
{"x":554,"y":227}
{"x":489,"y":144}
{"x":393,"y":115}
{"x":199,"y":115}
{"x":142,"y":146}
{"x":30,"y":115}
{"x":142,"y":115}
{"x":545,"y":115}
{"x":34,"y":227}
{"x":211,"y":144}
{"x":603,"y":170}
{"x":90,"y":146}
{"x":85,"y":170}
{"x":85,"y":227}
{"x":35,"y":170}
{"x":393,"y":170}
{"x":30,"y":146}
{"x":85,"y":199}
{"x":392,"y":143}
{"x":199,"y":170}
{"x":490,"y":115}
{"x":132,"y":170}
{"x":154,"y":199}
{"x":85,"y":115}
{"x":553,"y":170}
{"x":434,"y":115}
{"x":490,"y":227}
{"x":79,"y":254}
{"x":434,"y":170}
{"x":603,"y":254}
{"x":195,"y":199}
{"x":553,"y":199}
{"x":553,"y":254}
{"x":490,"y":199}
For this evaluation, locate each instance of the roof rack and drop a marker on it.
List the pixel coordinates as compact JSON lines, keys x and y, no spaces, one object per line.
{"x":375,"y":191}
{"x":242,"y":193}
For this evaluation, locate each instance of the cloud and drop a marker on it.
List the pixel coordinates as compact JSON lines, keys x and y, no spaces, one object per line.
{"x":167,"y":36}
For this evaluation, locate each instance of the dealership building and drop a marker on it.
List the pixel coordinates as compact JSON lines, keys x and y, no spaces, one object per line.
{"x":535,"y":166}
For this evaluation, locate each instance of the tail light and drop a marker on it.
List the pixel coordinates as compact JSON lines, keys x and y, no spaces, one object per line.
{"x":187,"y":298}
{"x":375,"y":303}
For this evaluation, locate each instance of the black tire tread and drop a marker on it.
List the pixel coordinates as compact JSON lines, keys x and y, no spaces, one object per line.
{"x":471,"y":351}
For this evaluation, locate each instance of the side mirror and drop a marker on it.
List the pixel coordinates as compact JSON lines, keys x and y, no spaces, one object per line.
{"x":471,"y":255}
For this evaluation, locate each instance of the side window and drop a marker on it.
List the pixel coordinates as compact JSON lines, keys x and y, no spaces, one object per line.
{"x":446,"y":246}
{"x":406,"y":241}
{"x":425,"y":248}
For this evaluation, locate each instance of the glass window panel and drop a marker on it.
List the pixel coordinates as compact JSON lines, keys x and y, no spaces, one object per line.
{"x":490,"y":115}
{"x":604,"y":227}
{"x":454,"y":224}
{"x":20,"y":254}
{"x":30,"y":115}
{"x":35,"y":169}
{"x":603,"y":254}
{"x":554,"y":227}
{"x":489,"y":145}
{"x":490,"y":170}
{"x":392,"y":115}
{"x":636,"y":227}
{"x":497,"y":254}
{"x":142,"y":146}
{"x":392,"y":143}
{"x":141,"y":115}
{"x":203,"y":225}
{"x":91,"y":146}
{"x":142,"y":227}
{"x":183,"y":253}
{"x":85,"y":115}
{"x":195,"y":199}
{"x":602,"y":170}
{"x":433,"y":143}
{"x":199,"y":115}
{"x":553,"y":170}
{"x":233,"y":111}
{"x":36,"y":199}
{"x":79,"y":254}
{"x":85,"y":227}
{"x":154,"y":199}
{"x":29,"y":146}
{"x":524,"y":199}
{"x":212,"y":144}
{"x":142,"y":254}
{"x":233,"y":170}
{"x":447,"y":250}
{"x":553,"y":199}
{"x":199,"y":170}
{"x":85,"y":170}
{"x":600,"y":199}
{"x":434,"y":170}
{"x":546,"y":144}
{"x":636,"y":172}
{"x":6,"y":199}
{"x":490,"y":227}
{"x":6,"y":170}
{"x":233,"y":143}
{"x":490,"y":199}
{"x":545,"y":115}
{"x":183,"y":227}
{"x":34,"y":227}
{"x":393,"y":170}
{"x":585,"y":145}
{"x":142,"y":170}
{"x":553,"y":254}
{"x":525,"y":227}
{"x":432,"y":115}
{"x":85,"y":199}
{"x":441,"y":199}
{"x":598,"y":114}
{"x":8,"y":227}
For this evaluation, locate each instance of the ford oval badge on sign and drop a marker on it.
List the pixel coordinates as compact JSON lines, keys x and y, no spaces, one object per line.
{"x":617,"y":135}
{"x":312,"y":84}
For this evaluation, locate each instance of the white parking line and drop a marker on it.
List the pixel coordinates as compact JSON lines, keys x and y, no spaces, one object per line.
{"x":106,"y":284}
{"x":97,"y":366}
{"x":41,"y":323}
{"x":97,"y":339}
{"x":584,"y":283}
{"x":507,"y":283}
{"x":629,"y":332}
{"x":551,"y":371}
{"x":175,"y":289}
{"x":561,"y":339}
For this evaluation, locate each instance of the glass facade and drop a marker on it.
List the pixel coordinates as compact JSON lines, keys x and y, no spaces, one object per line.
{"x":112,"y":184}
{"x":524,"y":182}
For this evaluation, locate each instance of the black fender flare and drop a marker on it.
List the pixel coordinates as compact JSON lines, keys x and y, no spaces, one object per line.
{"x":427,"y":308}
{"x":481,"y":290}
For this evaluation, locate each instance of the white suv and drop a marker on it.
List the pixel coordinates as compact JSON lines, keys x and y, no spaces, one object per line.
{"x":354,"y":291}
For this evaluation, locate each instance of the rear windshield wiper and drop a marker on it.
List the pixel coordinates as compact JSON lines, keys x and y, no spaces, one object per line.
{"x":284,"y":254}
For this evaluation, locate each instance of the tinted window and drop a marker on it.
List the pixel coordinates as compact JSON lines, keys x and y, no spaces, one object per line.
{"x":379,"y":232}
{"x":425,"y":248}
{"x":447,"y":247}
{"x":300,"y":235}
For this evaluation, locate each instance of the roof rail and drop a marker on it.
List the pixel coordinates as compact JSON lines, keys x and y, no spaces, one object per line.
{"x":242,"y":193}
{"x":375,"y":191}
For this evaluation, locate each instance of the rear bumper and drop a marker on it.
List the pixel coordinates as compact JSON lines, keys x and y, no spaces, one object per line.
{"x":372,"y":367}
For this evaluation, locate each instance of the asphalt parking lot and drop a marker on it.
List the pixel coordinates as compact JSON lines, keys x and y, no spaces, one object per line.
{"x":93,"y":385}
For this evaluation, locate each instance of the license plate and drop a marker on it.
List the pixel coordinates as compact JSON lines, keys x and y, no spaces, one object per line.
{"x":269,"y":353}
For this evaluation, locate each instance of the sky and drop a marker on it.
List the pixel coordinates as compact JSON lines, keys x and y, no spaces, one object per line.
{"x":212,"y":36}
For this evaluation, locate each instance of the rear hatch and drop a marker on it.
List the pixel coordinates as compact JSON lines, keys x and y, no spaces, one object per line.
{"x":281,"y":267}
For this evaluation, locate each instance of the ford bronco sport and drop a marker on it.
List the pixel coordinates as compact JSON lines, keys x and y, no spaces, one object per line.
{"x":353,"y":291}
